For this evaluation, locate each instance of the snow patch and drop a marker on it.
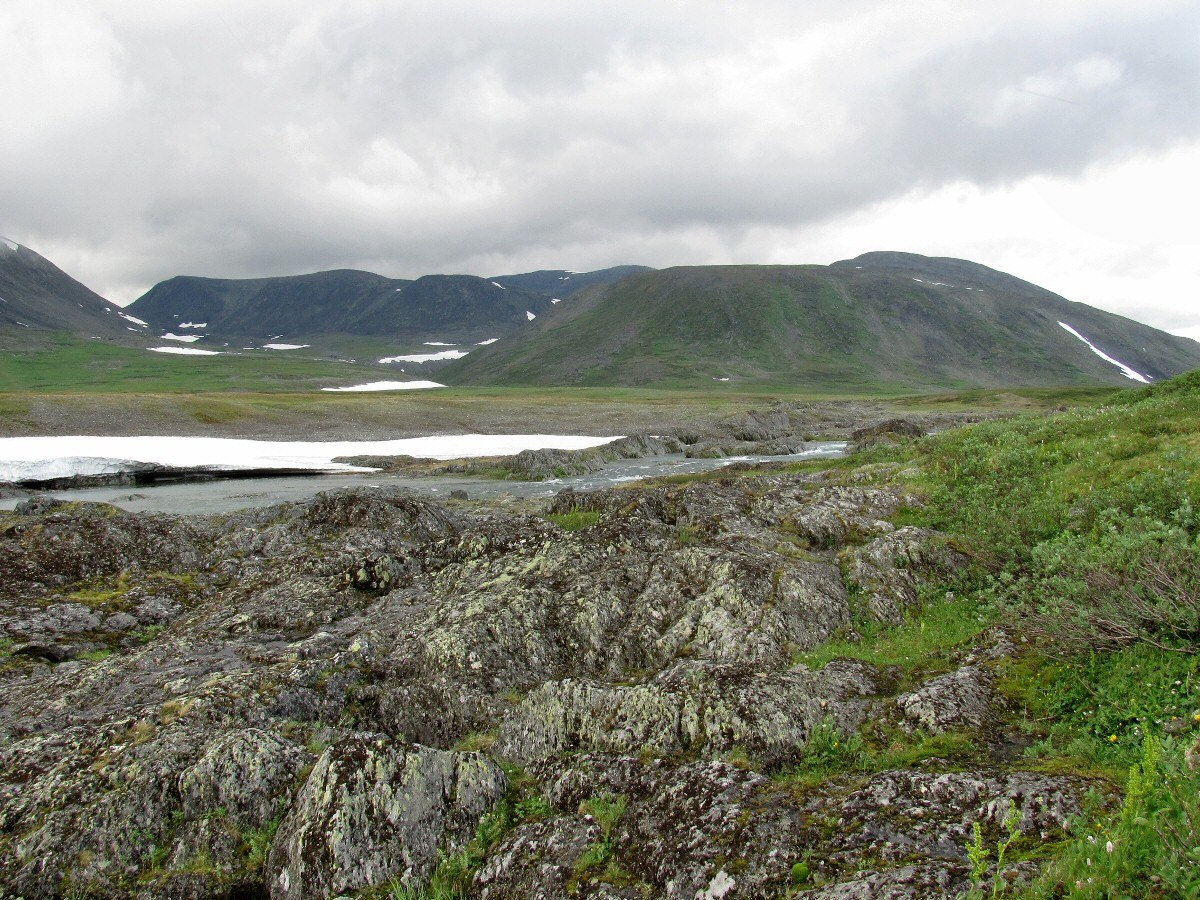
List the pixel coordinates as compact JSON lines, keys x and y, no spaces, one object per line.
{"x":556,"y":300}
{"x":185,"y":324}
{"x":499,"y":285}
{"x":134,"y":319}
{"x":184,"y":351}
{"x":426,"y":357}
{"x":61,"y":457}
{"x":22,"y":324}
{"x":182,"y":338}
{"x":530,"y":316}
{"x":1125,"y":370}
{"x":439,"y":344}
{"x":285,"y":346}
{"x":487,"y":342}
{"x":918,"y":281}
{"x":389,"y":386}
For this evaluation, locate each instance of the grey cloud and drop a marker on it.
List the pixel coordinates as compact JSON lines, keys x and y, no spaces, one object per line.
{"x":294,"y":137}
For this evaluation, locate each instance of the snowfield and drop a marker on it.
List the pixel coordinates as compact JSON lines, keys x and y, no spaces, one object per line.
{"x":389,"y":386}
{"x":39,"y":458}
{"x":426,"y":357}
{"x":1125,"y":370}
{"x":184,"y":351}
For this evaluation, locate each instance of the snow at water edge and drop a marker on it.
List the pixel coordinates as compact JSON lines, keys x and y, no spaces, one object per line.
{"x":36,"y":458}
{"x":1125,"y":370}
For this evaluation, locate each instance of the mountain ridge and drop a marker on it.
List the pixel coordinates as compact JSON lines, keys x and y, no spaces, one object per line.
{"x":880,"y":319}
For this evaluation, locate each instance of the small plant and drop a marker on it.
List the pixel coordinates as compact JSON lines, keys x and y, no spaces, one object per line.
{"x":979,"y":854}
{"x":574,"y":519}
{"x":258,"y":843}
{"x":607,"y":811}
{"x":476,"y":741}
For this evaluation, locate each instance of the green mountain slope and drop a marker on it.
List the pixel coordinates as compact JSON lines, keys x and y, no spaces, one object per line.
{"x":881,"y":320}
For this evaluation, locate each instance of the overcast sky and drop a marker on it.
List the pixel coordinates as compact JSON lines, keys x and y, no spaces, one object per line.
{"x":1058,"y":140}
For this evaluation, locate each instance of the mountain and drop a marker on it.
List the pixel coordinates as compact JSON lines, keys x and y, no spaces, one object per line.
{"x":882,"y":320}
{"x":446,"y":308}
{"x":37,"y":298}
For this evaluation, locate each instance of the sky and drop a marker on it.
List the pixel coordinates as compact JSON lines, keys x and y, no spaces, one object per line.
{"x":1058,"y":140}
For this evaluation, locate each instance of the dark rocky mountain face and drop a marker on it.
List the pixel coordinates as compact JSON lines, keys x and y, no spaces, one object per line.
{"x":449,"y":308}
{"x":37,"y":299}
{"x":883,"y":320}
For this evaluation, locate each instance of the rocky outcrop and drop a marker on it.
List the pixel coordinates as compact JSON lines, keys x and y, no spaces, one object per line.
{"x":691,"y":707}
{"x":374,"y":810}
{"x":278,"y":701}
{"x":960,"y":699}
{"x":889,"y":570}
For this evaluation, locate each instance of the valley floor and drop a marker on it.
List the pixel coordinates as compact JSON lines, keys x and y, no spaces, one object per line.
{"x":959,"y":665}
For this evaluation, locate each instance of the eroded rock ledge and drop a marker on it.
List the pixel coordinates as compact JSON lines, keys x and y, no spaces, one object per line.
{"x":293,"y":701}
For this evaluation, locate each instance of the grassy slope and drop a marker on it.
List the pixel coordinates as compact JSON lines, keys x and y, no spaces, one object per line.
{"x":65,"y":364}
{"x":1074,"y":519}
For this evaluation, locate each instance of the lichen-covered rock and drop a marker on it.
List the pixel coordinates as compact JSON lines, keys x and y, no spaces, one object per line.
{"x":373,"y":810}
{"x":902,"y":815}
{"x":537,"y":861}
{"x":889,"y":569}
{"x":691,"y":707}
{"x":243,"y":773}
{"x":959,"y":699}
{"x":169,"y":681}
{"x":934,"y":880}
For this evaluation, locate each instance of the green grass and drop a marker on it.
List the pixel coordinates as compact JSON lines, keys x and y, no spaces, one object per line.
{"x":1086,"y":529}
{"x":940,"y":625}
{"x":69,"y":365}
{"x":574,"y":519}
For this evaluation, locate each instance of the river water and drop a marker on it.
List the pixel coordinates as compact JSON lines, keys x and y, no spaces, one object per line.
{"x":229,"y":494}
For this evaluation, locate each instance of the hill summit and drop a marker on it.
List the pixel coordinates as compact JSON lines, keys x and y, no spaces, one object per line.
{"x":38,"y":299}
{"x":883,"y":320}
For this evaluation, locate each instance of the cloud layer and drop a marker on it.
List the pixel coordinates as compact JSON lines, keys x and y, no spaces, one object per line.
{"x":143,"y":139}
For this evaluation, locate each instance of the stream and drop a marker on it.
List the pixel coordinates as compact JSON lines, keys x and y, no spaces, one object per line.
{"x":222,"y":495}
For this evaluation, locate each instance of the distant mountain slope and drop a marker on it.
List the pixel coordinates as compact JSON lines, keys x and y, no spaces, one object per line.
{"x":448,"y":308}
{"x":560,"y":284}
{"x":882,"y":320}
{"x":36,"y":297}
{"x":261,"y":307}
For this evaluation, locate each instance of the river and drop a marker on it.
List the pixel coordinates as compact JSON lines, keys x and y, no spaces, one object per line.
{"x":228,"y":494}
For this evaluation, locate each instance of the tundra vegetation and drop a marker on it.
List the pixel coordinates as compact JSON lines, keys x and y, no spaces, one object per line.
{"x":956,"y":665}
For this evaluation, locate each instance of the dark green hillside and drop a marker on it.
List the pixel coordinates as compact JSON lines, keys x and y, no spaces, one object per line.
{"x":882,"y":320}
{"x":263,"y":307}
{"x":450,"y":308}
